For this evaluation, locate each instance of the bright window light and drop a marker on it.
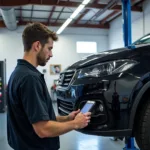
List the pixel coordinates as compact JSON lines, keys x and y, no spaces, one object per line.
{"x":86,"y":47}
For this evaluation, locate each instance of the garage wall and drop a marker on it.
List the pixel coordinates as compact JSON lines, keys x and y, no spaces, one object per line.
{"x":64,"y":51}
{"x":140,"y":27}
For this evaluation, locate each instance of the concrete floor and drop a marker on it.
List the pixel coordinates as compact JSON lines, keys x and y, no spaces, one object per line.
{"x":70,"y":141}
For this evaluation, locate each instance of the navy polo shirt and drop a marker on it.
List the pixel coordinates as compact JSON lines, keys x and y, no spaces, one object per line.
{"x":28,"y":102}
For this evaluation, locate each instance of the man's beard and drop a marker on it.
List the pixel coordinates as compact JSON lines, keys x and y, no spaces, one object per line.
{"x":41,"y":59}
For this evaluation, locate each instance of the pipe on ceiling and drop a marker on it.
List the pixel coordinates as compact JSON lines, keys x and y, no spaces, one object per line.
{"x":9,"y":17}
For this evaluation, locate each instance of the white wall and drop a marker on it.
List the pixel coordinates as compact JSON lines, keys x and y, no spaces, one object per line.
{"x":64,"y":51}
{"x":146,"y":7}
{"x":140,"y":27}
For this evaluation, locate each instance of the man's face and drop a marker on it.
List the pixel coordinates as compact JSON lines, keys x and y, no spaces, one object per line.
{"x":45,"y":53}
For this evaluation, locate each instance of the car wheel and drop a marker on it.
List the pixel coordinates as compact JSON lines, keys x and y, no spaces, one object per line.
{"x":142,"y":126}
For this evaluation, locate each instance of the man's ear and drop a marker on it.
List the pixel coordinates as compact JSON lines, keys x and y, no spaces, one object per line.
{"x":37,"y":46}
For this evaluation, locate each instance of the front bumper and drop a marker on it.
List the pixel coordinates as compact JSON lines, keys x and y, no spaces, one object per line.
{"x":113,"y":93}
{"x":119,"y":133}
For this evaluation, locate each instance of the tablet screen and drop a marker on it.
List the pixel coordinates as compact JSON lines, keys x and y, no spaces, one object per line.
{"x":87,"y":107}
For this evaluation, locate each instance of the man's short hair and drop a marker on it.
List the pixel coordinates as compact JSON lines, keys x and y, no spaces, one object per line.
{"x":37,"y":32}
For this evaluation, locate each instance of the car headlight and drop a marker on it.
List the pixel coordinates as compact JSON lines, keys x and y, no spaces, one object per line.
{"x":104,"y":69}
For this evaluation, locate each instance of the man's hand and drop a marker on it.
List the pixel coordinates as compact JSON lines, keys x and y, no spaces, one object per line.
{"x":82,"y":120}
{"x":73,"y":114}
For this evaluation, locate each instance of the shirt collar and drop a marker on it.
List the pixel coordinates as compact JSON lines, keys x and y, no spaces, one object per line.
{"x":29,"y":65}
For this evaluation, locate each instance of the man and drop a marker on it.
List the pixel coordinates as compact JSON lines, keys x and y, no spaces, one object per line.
{"x":32,"y":124}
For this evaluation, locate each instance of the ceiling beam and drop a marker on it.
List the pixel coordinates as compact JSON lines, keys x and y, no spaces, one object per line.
{"x":32,"y":12}
{"x":114,"y":17}
{"x":61,"y":3}
{"x":81,"y":16}
{"x":138,"y":3}
{"x":62,"y":10}
{"x":133,"y":8}
{"x":58,"y":1}
{"x":20,"y":14}
{"x":91,"y":26}
{"x":95,"y":1}
{"x":84,"y":13}
{"x":106,"y":26}
{"x":103,"y":21}
{"x":53,"y":20}
{"x":50,"y":15}
{"x":2,"y":24}
{"x":134,"y":3}
{"x":18,"y":9}
{"x":59,"y":14}
{"x":40,"y":18}
{"x":110,"y":4}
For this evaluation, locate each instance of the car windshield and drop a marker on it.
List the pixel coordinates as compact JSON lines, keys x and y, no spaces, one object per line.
{"x":144,"y":40}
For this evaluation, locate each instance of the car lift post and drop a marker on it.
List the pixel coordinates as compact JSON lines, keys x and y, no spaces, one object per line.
{"x":129,"y":144}
{"x":126,"y":13}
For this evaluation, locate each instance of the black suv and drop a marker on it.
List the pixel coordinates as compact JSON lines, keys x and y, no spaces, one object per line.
{"x":119,"y":82}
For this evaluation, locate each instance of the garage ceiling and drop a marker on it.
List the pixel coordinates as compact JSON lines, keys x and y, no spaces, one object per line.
{"x":97,"y":14}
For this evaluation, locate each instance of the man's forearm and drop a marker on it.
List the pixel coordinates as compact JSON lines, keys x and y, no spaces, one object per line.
{"x":53,"y":129}
{"x":62,"y":118}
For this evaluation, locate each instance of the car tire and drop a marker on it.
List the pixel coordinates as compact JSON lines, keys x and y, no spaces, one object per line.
{"x":142,"y":126}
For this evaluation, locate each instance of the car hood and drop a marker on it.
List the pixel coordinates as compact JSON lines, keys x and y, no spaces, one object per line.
{"x":122,"y":53}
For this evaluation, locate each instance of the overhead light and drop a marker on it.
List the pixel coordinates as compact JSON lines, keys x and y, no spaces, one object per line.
{"x":64,"y":25}
{"x":85,"y":2}
{"x":76,"y":12}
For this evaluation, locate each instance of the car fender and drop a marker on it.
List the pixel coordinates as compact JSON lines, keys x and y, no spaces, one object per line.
{"x":136,"y":103}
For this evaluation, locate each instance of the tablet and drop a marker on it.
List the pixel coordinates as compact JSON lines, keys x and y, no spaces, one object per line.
{"x":88,"y":106}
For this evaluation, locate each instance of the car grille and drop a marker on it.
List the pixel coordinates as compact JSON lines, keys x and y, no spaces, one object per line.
{"x":64,"y":108}
{"x":65,"y":78}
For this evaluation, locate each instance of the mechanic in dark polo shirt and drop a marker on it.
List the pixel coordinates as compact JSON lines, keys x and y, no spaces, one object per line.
{"x":32,"y":124}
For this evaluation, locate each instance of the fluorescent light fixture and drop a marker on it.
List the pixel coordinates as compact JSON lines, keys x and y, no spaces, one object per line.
{"x":64,"y":25}
{"x":76,"y":12}
{"x":85,"y":2}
